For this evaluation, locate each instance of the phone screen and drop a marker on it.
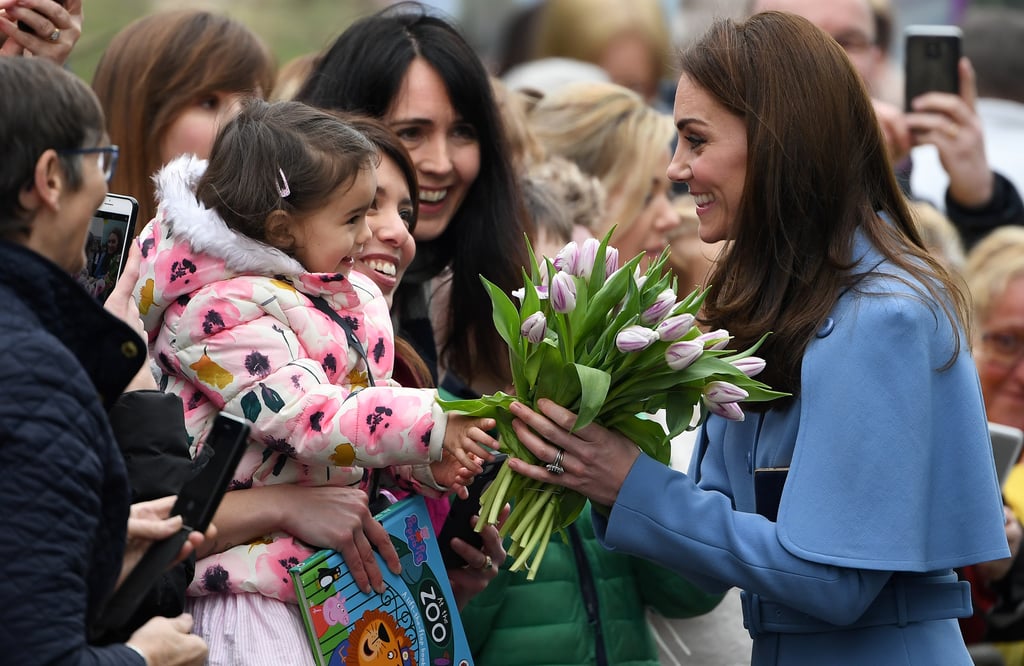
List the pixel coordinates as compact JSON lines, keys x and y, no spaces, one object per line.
{"x":106,"y":245}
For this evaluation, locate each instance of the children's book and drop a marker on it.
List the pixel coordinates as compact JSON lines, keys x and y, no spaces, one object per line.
{"x":414,"y":622}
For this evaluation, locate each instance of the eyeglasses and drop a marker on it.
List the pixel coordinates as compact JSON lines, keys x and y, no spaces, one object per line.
{"x":106,"y":157}
{"x":1004,"y":349}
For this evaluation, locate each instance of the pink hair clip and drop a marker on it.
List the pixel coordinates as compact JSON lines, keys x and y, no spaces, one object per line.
{"x":285,"y":190}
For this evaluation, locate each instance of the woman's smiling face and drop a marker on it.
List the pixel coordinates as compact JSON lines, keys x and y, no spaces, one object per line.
{"x":391,"y":248}
{"x":710,"y":157}
{"x":443,"y":146}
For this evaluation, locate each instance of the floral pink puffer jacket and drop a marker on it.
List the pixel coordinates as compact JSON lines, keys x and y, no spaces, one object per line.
{"x":231,"y":328}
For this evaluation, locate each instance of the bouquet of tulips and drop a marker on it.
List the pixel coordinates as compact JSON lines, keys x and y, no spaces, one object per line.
{"x":613,"y":345}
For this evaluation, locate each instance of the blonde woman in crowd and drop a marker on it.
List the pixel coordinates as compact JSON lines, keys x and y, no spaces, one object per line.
{"x":629,"y":40}
{"x":613,"y":135}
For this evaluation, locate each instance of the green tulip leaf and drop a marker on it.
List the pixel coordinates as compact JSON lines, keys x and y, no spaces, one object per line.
{"x":594,"y":385}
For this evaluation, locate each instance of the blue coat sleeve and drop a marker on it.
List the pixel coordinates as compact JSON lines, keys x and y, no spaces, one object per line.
{"x":57,"y":468}
{"x":663,"y":516}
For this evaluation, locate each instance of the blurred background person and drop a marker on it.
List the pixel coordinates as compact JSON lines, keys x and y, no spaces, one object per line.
{"x":167,"y":82}
{"x":612,"y":134}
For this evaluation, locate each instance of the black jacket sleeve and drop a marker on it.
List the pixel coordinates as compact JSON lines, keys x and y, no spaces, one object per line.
{"x":1005,"y":207}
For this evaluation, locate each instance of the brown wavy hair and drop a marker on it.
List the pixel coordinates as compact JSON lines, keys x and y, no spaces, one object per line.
{"x":817,"y":170}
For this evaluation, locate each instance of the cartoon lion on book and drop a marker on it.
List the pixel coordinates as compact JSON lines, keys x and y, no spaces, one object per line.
{"x":378,"y":640}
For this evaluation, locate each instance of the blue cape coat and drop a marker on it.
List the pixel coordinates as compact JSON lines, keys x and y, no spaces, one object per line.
{"x":889,"y":470}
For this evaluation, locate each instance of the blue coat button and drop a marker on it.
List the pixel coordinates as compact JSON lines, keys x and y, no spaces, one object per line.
{"x":826,"y":327}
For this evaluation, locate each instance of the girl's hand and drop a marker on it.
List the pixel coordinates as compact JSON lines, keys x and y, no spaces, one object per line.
{"x":451,"y":474}
{"x":46,"y":19}
{"x":465,"y":436}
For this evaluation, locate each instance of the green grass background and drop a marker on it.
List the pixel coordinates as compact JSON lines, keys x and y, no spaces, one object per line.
{"x":290,"y":27}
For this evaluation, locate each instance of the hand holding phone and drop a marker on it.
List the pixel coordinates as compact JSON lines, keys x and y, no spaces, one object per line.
{"x":458,"y":524}
{"x":932,"y":60}
{"x":111,"y":232}
{"x":196,"y":504}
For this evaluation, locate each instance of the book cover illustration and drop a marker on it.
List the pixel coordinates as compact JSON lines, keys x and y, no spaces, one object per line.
{"x":414,"y":622}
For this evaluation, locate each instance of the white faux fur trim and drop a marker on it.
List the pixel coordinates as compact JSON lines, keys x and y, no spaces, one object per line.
{"x":205,"y":231}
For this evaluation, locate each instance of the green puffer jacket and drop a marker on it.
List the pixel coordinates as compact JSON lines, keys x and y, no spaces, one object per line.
{"x":548,"y":621}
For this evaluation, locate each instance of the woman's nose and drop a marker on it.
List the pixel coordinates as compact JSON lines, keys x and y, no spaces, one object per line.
{"x":435,"y":156}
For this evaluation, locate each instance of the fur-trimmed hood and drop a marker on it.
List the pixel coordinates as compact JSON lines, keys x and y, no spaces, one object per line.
{"x":188,"y":219}
{"x":187,"y":246}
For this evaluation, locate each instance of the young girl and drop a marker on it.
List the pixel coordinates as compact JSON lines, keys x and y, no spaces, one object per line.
{"x":237,"y":264}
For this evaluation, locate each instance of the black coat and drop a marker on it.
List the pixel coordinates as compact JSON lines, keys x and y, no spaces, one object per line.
{"x":64,"y":495}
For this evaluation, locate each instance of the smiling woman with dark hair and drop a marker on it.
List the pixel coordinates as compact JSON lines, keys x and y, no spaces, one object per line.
{"x":842,"y":510}
{"x":418,"y":74}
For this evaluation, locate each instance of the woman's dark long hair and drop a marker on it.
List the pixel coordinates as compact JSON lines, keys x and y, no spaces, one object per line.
{"x":362,"y":72}
{"x":817,"y":170}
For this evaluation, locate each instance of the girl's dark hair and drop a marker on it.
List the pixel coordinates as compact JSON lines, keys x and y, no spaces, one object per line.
{"x":817,"y":170}
{"x":362,"y":72}
{"x":41,"y":107}
{"x":388,"y":145}
{"x":272,"y":147}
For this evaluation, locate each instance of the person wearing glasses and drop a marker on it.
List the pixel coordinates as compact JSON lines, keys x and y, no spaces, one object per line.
{"x":995,"y":276}
{"x":68,"y":367}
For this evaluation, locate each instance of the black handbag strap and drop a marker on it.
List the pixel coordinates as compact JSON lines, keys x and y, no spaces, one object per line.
{"x":377,"y":501}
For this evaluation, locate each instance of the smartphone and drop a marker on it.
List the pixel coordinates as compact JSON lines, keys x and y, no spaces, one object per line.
{"x":457,"y":524}
{"x":932,"y":60}
{"x":111,"y":231}
{"x":25,"y":27}
{"x":1007,"y":443}
{"x":196,"y":504}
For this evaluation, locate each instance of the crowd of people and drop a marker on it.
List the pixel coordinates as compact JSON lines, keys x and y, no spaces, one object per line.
{"x":309,"y":249}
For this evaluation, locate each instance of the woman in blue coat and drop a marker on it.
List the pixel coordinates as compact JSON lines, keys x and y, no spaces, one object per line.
{"x":841,"y":510}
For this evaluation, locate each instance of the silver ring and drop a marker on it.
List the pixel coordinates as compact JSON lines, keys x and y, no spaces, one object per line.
{"x":555,"y":466}
{"x":55,"y":35}
{"x":488,"y":563}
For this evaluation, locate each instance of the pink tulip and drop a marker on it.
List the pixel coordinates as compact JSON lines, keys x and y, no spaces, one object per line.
{"x":715,"y":339}
{"x":635,"y":338}
{"x":719,"y":391}
{"x":611,"y":261}
{"x":588,"y":254}
{"x":563,"y":292}
{"x":727,"y":410}
{"x":534,"y":327}
{"x":675,"y":327}
{"x":680,"y":355}
{"x":568,"y":258}
{"x":750,"y":365}
{"x":658,"y":310}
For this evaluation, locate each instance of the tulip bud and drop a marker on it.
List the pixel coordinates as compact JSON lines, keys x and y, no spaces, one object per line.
{"x":588,"y":254}
{"x":719,"y":391}
{"x":715,"y":339}
{"x":727,"y":410}
{"x":750,"y":365}
{"x":680,"y":355}
{"x":635,"y":338}
{"x":534,"y":327}
{"x":563,"y":292}
{"x":675,"y":327}
{"x":662,"y":305}
{"x":568,"y":258}
{"x":611,"y":261}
